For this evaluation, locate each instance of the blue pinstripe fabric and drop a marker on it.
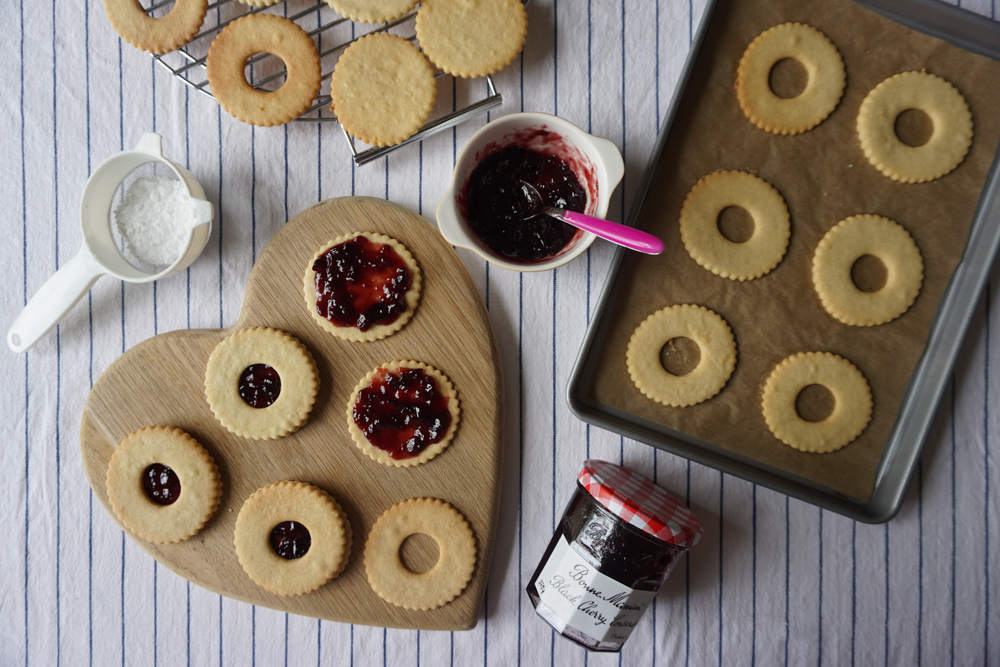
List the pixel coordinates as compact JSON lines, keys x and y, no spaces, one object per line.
{"x":774,"y":581}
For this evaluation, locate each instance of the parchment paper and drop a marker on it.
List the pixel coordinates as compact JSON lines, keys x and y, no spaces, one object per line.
{"x":824,"y":178}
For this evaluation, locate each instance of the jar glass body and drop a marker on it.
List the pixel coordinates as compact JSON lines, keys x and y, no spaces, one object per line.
{"x":617,"y":550}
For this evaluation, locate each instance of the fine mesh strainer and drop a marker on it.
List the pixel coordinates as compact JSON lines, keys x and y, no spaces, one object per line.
{"x":155,"y":169}
{"x":104,"y":250}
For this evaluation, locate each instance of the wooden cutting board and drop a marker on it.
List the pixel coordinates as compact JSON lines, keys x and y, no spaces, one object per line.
{"x":161,"y":382}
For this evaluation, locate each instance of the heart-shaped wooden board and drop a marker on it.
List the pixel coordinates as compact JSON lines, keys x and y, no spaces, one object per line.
{"x":161,"y":382}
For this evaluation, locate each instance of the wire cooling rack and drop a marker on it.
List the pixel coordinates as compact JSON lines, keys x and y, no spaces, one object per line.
{"x":188,"y":65}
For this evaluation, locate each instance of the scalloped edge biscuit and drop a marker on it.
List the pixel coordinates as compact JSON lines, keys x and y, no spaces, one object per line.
{"x":451,"y":33}
{"x":439,"y":585}
{"x":843,"y":245}
{"x":704,"y":327}
{"x":852,"y":395}
{"x":382,"y":89}
{"x":942,"y":102}
{"x":264,"y":33}
{"x":283,"y":352}
{"x":699,"y":225}
{"x":201,"y":484}
{"x":348,"y":536}
{"x":824,"y":88}
{"x":371,"y":11}
{"x":329,"y":530}
{"x":156,"y":35}
{"x":378,"y":331}
{"x":444,"y":386}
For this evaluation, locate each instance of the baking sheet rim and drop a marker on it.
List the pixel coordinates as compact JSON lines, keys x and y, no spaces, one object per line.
{"x":946,"y":338}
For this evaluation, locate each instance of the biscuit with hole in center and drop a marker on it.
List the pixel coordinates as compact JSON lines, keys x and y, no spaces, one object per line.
{"x":156,"y":35}
{"x":702,"y":326}
{"x":824,"y":86}
{"x":699,"y":225}
{"x":944,"y":150}
{"x":851,"y":394}
{"x":449,"y":576}
{"x":852,"y":239}
{"x":264,"y":33}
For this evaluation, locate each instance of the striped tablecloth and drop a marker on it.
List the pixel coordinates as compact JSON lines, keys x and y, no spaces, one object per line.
{"x":774,"y":581}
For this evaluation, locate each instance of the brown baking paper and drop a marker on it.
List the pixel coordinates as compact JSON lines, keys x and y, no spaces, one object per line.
{"x":824,"y":177}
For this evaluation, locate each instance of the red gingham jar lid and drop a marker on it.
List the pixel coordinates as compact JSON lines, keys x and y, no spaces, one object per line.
{"x":637,"y":501}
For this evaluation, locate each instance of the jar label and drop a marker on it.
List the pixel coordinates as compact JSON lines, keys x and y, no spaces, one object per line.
{"x":588,"y":601}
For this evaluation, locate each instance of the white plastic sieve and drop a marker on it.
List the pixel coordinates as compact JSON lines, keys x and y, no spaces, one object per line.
{"x":103,"y":250}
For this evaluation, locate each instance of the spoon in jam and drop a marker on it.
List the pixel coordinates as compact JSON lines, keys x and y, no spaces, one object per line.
{"x":623,"y":235}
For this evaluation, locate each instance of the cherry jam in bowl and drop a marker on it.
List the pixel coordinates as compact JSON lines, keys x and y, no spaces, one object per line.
{"x":569,"y":168}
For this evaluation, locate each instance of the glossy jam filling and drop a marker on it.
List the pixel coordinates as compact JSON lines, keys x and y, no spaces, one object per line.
{"x":402,"y":412}
{"x":161,"y":484}
{"x":503,"y":215}
{"x":290,"y":540}
{"x":260,"y":385}
{"x":361,"y":284}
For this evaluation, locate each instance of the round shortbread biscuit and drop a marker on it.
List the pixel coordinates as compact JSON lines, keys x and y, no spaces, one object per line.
{"x":471,"y":38}
{"x":382,"y":89}
{"x":824,"y":88}
{"x":372,"y":11}
{"x":441,"y":584}
{"x":156,"y":35}
{"x":377,"y":331}
{"x":443,"y":385}
{"x":264,"y":33}
{"x":201,"y":486}
{"x":852,"y":409}
{"x":944,"y":105}
{"x":329,"y":531}
{"x":714,"y":339}
{"x":705,"y":243}
{"x":842,"y":246}
{"x":283,"y":353}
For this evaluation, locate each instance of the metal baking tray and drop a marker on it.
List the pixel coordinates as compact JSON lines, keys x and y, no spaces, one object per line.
{"x":902,"y":450}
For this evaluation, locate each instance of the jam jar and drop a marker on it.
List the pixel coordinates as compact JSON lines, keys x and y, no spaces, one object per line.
{"x":615,"y":545}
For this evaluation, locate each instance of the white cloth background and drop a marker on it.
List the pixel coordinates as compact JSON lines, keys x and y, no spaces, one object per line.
{"x":773,"y":581}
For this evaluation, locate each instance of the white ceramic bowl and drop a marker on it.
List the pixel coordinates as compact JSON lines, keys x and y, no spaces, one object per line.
{"x":596,"y":162}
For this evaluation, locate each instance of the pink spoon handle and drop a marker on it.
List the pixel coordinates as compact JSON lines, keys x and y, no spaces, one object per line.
{"x":623,"y":235}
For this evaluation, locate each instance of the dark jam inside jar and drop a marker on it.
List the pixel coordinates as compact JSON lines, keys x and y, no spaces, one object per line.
{"x":614,"y":548}
{"x":499,"y":210}
{"x":402,"y":412}
{"x":360,"y":284}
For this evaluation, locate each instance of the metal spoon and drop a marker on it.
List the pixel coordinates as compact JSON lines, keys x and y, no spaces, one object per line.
{"x":623,"y":235}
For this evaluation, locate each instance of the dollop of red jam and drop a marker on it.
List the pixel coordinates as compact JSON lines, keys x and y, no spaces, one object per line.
{"x":260,"y":385}
{"x":360,"y":284}
{"x":402,"y":412}
{"x":290,"y":540}
{"x":161,"y":484}
{"x":499,"y":211}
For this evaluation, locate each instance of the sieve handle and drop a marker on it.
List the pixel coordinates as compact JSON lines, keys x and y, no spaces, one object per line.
{"x":53,"y":300}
